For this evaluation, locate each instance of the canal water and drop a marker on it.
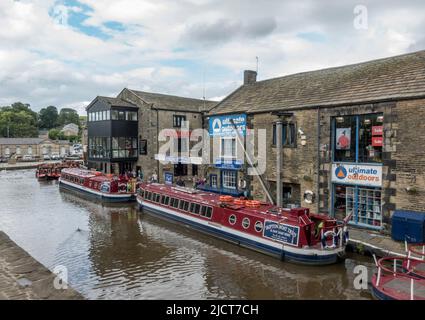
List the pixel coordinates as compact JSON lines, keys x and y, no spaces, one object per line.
{"x":116,"y":252}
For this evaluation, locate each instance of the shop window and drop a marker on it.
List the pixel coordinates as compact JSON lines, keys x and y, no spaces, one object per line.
{"x":358,"y":138}
{"x":177,"y":120}
{"x":364,"y":202}
{"x":228,"y":179}
{"x":213,"y":180}
{"x":288,"y":134}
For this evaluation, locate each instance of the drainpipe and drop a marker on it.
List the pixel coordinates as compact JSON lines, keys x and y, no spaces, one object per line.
{"x":278,"y":162}
{"x":318,"y":162}
{"x":157,"y":142}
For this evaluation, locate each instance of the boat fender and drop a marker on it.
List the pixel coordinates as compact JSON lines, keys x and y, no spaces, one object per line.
{"x":309,"y":196}
{"x":334,"y":237}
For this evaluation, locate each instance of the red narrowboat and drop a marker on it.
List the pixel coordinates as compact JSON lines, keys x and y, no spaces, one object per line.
{"x":51,"y":171}
{"x":294,"y":235}
{"x":107,"y":188}
{"x":397,"y":279}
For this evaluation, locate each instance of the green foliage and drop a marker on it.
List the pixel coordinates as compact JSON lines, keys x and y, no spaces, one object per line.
{"x":48,"y":117}
{"x":68,"y":115}
{"x":18,"y":120}
{"x":54,"y":134}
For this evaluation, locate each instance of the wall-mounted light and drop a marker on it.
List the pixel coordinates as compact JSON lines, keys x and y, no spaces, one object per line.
{"x":366,"y":121}
{"x":380,"y":119}
{"x":339,"y":119}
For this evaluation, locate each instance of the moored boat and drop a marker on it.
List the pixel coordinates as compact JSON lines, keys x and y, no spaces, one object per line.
{"x":294,"y":235}
{"x":394,"y":281}
{"x":95,"y":184}
{"x":51,"y":171}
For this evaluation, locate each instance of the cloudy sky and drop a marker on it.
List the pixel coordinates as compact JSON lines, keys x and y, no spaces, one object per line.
{"x":66,"y":52}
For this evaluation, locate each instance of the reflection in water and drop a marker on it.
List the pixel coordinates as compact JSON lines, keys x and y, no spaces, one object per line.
{"x":114,"y":252}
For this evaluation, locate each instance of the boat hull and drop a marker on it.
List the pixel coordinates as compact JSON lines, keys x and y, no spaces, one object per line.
{"x":277,"y":250}
{"x":97,"y":195}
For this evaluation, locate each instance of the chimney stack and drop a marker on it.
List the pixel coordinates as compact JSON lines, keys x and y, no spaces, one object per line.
{"x":249,"y":77}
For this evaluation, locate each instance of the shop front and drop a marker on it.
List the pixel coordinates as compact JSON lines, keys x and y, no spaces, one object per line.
{"x":356,"y":173}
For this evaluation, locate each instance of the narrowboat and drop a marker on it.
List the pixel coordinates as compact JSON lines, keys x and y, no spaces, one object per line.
{"x":396,"y":279}
{"x":95,"y":184}
{"x":294,"y":235}
{"x":52,"y":171}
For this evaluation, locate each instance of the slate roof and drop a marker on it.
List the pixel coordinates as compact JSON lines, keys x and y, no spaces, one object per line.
{"x":113,"y":102}
{"x":399,"y":77}
{"x":19,"y":141}
{"x":170,"y":102}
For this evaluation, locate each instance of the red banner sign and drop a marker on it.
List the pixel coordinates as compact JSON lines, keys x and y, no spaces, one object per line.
{"x":377,"y":141}
{"x":377,"y":130}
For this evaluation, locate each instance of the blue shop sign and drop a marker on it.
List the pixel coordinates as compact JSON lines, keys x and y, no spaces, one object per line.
{"x":168,"y":178}
{"x":228,"y":164}
{"x":221,"y":126}
{"x":281,"y":232}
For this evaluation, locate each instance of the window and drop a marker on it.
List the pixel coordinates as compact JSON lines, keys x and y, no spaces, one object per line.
{"x":30,"y":150}
{"x":288,"y":134}
{"x":98,"y":147}
{"x":108,"y":115}
{"x":172,"y":202}
{"x":177,"y":121}
{"x":18,"y":150}
{"x":228,"y":148}
{"x":124,"y":147}
{"x":213,"y":180}
{"x":245,"y":223}
{"x":180,"y":169}
{"x":229,"y":179}
{"x":358,"y":138}
{"x":195,"y":208}
{"x":181,"y":206}
{"x":206,"y":212}
{"x":194,"y":169}
{"x":176,"y":203}
{"x":167,"y":199}
{"x":186,"y":206}
{"x":364,"y":202}
{"x":232,"y":219}
{"x":131,"y":115}
{"x":158,"y":198}
{"x":121,"y":115}
{"x":114,"y":114}
{"x":258,"y":226}
{"x":143,"y":150}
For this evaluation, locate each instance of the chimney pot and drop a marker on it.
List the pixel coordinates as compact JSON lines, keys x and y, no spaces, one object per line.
{"x":249,"y":77}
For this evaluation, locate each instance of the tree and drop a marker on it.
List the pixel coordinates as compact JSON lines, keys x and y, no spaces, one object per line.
{"x":48,"y":117}
{"x":18,"y":120}
{"x":68,"y":115}
{"x":54,"y":134}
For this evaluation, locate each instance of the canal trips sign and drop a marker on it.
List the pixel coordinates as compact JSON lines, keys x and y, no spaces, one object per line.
{"x":281,"y":232}
{"x":222,"y":126}
{"x":364,"y":175}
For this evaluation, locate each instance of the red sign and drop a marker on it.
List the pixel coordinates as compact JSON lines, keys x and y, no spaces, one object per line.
{"x":377,"y":141}
{"x":377,"y":130}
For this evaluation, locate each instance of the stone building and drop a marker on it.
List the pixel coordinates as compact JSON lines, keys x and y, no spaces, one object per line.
{"x":352,"y":138}
{"x":34,"y":147}
{"x":155,"y":114}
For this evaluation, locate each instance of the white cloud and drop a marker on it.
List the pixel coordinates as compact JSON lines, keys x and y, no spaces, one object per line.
{"x":167,"y":45}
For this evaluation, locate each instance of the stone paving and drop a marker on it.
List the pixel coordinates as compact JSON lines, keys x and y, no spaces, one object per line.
{"x":366,"y":241}
{"x":22,"y":277}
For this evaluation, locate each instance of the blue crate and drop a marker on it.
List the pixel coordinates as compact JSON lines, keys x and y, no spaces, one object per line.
{"x":409,"y":226}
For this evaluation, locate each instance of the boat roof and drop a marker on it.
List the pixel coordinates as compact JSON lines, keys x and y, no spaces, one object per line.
{"x":80,"y":172}
{"x":209,"y":198}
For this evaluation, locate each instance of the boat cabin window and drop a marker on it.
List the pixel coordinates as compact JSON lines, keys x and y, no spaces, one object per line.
{"x":167,"y":199}
{"x":163,"y":199}
{"x":245,"y":223}
{"x":194,"y":208}
{"x":175,"y":203}
{"x":232,"y":219}
{"x":186,"y":206}
{"x":181,"y":206}
{"x":258,"y":226}
{"x":142,"y":193}
{"x":172,"y":202}
{"x":206,"y":212}
{"x":157,"y":197}
{"x":148,"y":195}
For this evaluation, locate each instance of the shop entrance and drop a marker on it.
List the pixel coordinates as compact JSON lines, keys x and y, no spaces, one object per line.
{"x":364,"y":202}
